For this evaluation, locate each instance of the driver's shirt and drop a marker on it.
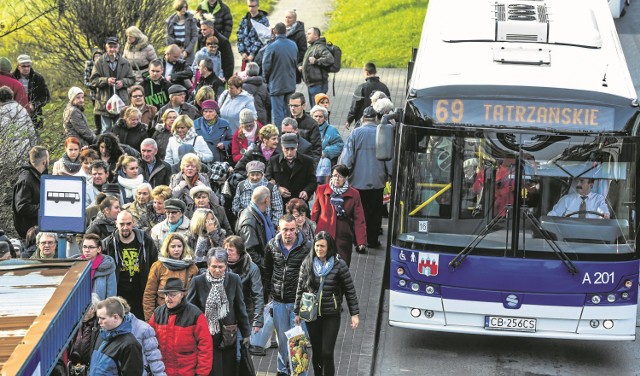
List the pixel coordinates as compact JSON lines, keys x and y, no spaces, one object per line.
{"x":571,"y":203}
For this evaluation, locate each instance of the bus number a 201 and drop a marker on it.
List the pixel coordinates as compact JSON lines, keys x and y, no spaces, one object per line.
{"x":449,"y":111}
{"x":598,"y":278}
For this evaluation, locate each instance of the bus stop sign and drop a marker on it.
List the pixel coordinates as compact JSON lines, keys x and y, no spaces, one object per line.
{"x":62,"y":203}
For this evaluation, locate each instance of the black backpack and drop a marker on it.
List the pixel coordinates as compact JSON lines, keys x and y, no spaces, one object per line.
{"x":337,"y":58}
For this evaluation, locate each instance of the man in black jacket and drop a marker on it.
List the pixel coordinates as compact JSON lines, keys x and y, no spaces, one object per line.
{"x":208,"y":29}
{"x":26,"y":191}
{"x":155,"y":171}
{"x":254,"y":225}
{"x":35,"y":86}
{"x":291,"y":171}
{"x":134,"y":253}
{"x":176,"y":70}
{"x":283,"y":257}
{"x":308,"y":127}
{"x":362,"y":95}
{"x":290,"y":125}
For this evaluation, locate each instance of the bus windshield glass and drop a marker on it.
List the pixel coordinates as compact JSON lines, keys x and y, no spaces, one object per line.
{"x":516,"y":194}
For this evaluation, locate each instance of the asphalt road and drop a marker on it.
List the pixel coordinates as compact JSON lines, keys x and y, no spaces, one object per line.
{"x":412,"y":352}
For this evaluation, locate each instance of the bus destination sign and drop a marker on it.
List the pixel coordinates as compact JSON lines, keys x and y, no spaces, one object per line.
{"x":566,"y":116}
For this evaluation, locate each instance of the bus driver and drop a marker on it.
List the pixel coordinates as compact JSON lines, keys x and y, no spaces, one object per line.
{"x":581,"y":202}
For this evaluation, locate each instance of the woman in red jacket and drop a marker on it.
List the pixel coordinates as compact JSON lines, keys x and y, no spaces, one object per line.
{"x":338,"y":210}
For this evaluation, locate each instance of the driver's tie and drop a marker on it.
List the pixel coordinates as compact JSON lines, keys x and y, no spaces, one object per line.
{"x":583,"y":207}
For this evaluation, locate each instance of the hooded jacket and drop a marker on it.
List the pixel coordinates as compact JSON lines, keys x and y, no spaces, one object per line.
{"x":104,"y":279}
{"x":26,"y":199}
{"x":230,"y":107}
{"x":140,"y":54}
{"x":101,"y":226}
{"x":146,"y":336}
{"x":248,"y":40}
{"x":117,"y":352}
{"x":282,"y":272}
{"x":221,"y":15}
{"x":130,"y":136}
{"x":148,"y":253}
{"x":76,"y":125}
{"x":316,"y":74}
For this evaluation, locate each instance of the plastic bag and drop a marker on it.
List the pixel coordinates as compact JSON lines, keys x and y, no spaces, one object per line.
{"x":324,"y":167}
{"x":386,"y":194}
{"x":115,"y":104}
{"x":298,"y":351}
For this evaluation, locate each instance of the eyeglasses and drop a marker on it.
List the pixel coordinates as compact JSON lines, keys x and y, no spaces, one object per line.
{"x":137,"y":96}
{"x":212,"y":44}
{"x":295,"y":105}
{"x":89,"y":246}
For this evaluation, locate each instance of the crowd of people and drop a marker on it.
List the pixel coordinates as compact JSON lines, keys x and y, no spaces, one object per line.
{"x":213,"y":198}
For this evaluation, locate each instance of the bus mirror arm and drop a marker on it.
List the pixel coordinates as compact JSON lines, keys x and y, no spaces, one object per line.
{"x":566,"y":261}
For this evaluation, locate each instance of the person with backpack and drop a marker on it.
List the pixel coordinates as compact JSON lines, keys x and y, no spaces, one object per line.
{"x":316,"y":64}
{"x":362,"y":94}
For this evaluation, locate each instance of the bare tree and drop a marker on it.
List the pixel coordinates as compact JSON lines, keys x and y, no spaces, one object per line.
{"x":16,"y":20}
{"x":67,"y":38}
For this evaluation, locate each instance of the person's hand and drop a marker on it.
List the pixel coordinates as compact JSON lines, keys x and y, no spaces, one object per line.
{"x":111,"y":80}
{"x":303,"y":195}
{"x":250,"y":57}
{"x":347,"y":125}
{"x":300,"y":68}
{"x":256,"y":329}
{"x":220,"y":146}
{"x":119,"y":84}
{"x":312,"y":60}
{"x":355,"y":320}
{"x":284,"y":192}
{"x":185,"y":54}
{"x":245,"y":341}
{"x":182,"y":185}
{"x":198,"y":182}
{"x":209,"y":225}
{"x":168,"y":78}
{"x":245,"y":56}
{"x":296,"y":320}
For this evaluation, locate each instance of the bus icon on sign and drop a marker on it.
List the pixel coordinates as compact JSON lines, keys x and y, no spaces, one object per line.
{"x":56,"y":197}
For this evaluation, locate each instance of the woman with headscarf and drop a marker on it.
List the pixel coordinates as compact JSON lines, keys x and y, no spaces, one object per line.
{"x":215,"y":131}
{"x":338,"y":210}
{"x":74,"y":120}
{"x":174,"y":261}
{"x":218,"y":294}
{"x":185,"y":136}
{"x":139,"y":52}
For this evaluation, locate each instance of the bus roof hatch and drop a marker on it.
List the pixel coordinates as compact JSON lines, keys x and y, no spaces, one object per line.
{"x":522,"y":21}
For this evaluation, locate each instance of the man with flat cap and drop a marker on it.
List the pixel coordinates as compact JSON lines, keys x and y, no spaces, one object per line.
{"x":175,"y":221}
{"x":35,"y":87}
{"x":182,"y":332}
{"x":178,"y":102}
{"x":291,"y":171}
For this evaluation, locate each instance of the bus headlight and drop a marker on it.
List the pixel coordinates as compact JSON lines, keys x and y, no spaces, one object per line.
{"x":430,"y":290}
{"x":607,"y":324}
{"x":415,"y":286}
{"x":400,"y":271}
{"x":595,"y":299}
{"x":611,"y":298}
{"x":415,"y":312}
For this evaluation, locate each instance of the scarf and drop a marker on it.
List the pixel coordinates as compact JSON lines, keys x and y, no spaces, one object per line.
{"x":339,"y":190}
{"x":130,"y":184}
{"x":321,"y":269}
{"x":267,"y":153}
{"x":174,"y":227}
{"x":72,"y":167}
{"x":176,"y":265}
{"x":95,"y":263}
{"x":249,"y":135}
{"x":217,"y":306}
{"x":336,"y":198}
{"x":269,"y":230}
{"x":191,"y":181}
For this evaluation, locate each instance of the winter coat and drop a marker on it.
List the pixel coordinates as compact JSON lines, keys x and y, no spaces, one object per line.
{"x":230,"y":107}
{"x":117,"y":352}
{"x":38,"y":93}
{"x":213,"y":134}
{"x":191,"y":138}
{"x":19,"y":94}
{"x":305,"y":148}
{"x":182,"y":193}
{"x":101,"y":226}
{"x":240,"y":144}
{"x":85,"y":340}
{"x":162,"y":136}
{"x":104,"y":278}
{"x":359,"y":155}
{"x":310,"y":131}
{"x":362,"y":97}
{"x":17,"y":134}
{"x":216,"y":59}
{"x":337,"y":282}
{"x":147,"y":255}
{"x":184,"y":339}
{"x":316,"y":74}
{"x":146,"y":336}
{"x":242,"y":198}
{"x":99,"y":78}
{"x":160,"y":272}
{"x":300,"y":177}
{"x":161,"y":230}
{"x":248,"y":40}
{"x":281,"y":273}
{"x":279,"y":66}
{"x":76,"y":125}
{"x":140,"y":55}
{"x":181,"y":71}
{"x":251,"y":229}
{"x":155,"y":94}
{"x":251,"y":288}
{"x":297,"y":34}
{"x":226,"y":52}
{"x":190,"y":32}
{"x":26,"y":200}
{"x":199,"y":291}
{"x":348,"y":230}
{"x":161,"y":173}
{"x":130,"y":136}
{"x":258,"y":89}
{"x":253,"y":153}
{"x":221,"y":16}
{"x":332,"y":143}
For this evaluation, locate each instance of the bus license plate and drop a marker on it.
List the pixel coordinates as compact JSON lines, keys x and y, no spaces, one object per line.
{"x":510,"y":323}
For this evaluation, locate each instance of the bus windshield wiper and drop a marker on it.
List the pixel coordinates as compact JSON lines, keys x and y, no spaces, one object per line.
{"x":566,"y":261}
{"x":460,"y":257}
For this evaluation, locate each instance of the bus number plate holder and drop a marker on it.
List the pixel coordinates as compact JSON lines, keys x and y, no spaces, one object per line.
{"x":518,"y":324}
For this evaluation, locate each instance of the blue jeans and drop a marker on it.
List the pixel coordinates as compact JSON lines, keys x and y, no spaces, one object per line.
{"x":107,"y":123}
{"x":262,"y":337}
{"x":283,"y":318}
{"x":279,"y":108}
{"x":316,"y":89}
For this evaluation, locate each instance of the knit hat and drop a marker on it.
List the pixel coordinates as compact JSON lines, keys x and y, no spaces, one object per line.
{"x":73,"y":92}
{"x":320,"y":96}
{"x":210,"y":104}
{"x":247,"y":116}
{"x":255,"y":166}
{"x":24,"y":59}
{"x":5,"y":65}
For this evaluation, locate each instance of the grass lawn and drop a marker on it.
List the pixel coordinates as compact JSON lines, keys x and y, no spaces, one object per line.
{"x":380,"y":31}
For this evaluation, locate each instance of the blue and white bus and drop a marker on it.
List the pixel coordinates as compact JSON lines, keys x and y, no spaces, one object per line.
{"x":514,"y":111}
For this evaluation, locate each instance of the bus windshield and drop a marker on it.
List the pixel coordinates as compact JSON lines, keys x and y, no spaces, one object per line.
{"x":516,"y":194}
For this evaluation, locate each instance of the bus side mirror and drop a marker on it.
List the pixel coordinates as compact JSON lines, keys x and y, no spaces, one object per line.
{"x":385,"y":135}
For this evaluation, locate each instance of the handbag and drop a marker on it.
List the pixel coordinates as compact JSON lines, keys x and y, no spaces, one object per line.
{"x":115,"y":104}
{"x":309,"y":304}
{"x":229,"y":336}
{"x":246,"y":367}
